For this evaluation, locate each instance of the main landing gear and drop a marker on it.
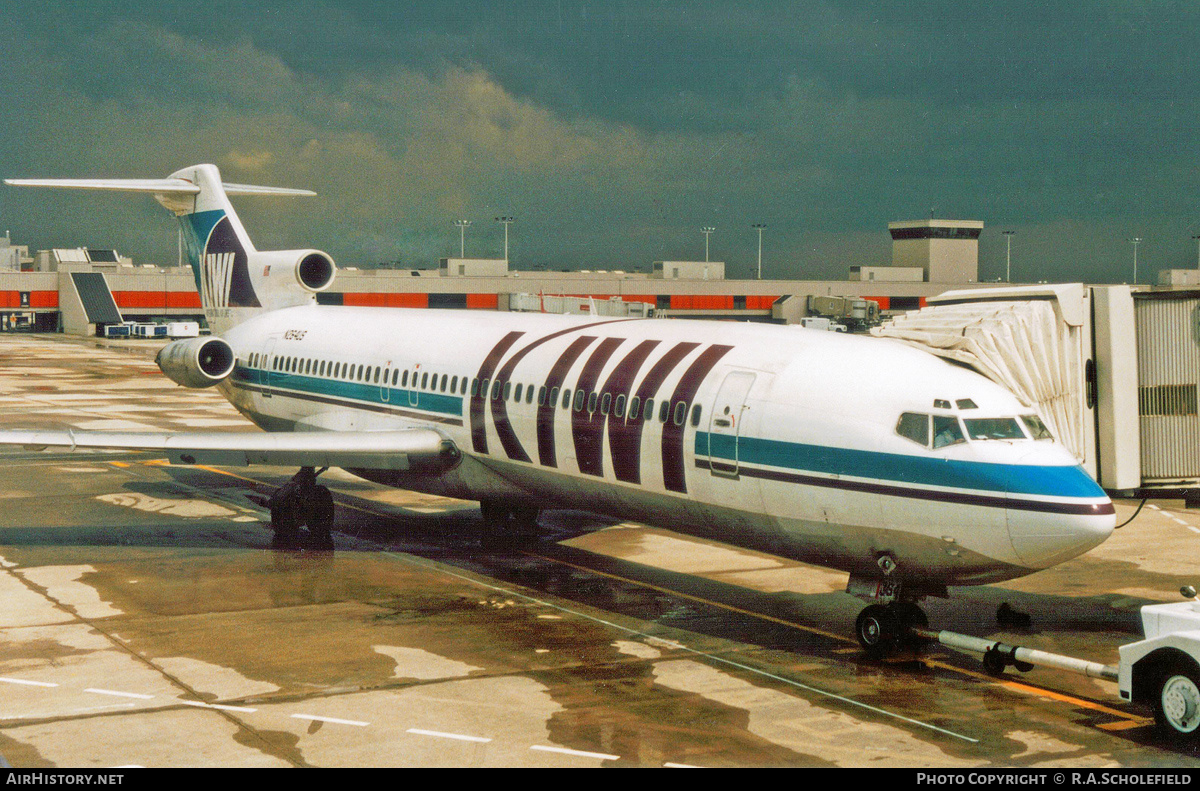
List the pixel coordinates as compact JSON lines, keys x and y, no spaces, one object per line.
{"x":298,"y":503}
{"x":507,"y":524}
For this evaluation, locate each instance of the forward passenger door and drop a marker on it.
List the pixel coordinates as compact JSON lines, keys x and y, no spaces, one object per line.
{"x":725,"y":423}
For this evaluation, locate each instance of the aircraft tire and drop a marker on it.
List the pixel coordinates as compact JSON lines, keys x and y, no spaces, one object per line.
{"x":285,"y":521}
{"x":525,"y":520}
{"x":320,"y":517}
{"x":496,"y":517}
{"x":877,"y":631}
{"x":909,"y":616}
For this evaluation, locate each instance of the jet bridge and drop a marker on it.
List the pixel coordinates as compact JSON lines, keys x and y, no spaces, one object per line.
{"x":86,"y":301}
{"x":1113,"y":372}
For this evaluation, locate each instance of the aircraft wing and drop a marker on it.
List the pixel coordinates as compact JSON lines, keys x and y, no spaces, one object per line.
{"x":418,"y":449}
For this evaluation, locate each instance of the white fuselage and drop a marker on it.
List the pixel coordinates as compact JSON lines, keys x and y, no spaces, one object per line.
{"x":776,"y":438}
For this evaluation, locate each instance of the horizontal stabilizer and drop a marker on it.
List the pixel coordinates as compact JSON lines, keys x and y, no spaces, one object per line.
{"x":420,"y":449}
{"x":252,"y":189}
{"x":154,"y":186}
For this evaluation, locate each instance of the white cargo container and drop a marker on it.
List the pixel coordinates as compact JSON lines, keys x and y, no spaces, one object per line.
{"x":1114,"y":372}
{"x":183,"y":329}
{"x":150,"y":330}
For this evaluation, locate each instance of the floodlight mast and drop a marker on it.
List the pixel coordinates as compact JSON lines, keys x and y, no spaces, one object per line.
{"x":505,"y":221}
{"x":1008,"y":255}
{"x":1136,"y":241}
{"x":758,"y":226}
{"x":462,"y":237}
{"x":707,"y":231}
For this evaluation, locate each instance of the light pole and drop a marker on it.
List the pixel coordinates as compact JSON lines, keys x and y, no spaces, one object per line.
{"x":706,"y":230}
{"x":1136,"y":241}
{"x":758,"y":226}
{"x":1197,"y":238}
{"x":506,"y":221}
{"x":462,"y":237}
{"x":1008,"y":255}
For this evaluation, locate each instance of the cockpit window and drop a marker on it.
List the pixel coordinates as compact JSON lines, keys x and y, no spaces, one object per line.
{"x":946,"y":431}
{"x":965,"y":403}
{"x":994,"y":428}
{"x":1037,"y":429}
{"x":914,"y":427}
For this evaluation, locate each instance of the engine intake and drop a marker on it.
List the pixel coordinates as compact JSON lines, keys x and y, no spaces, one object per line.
{"x":196,"y":362}
{"x":315,"y":271}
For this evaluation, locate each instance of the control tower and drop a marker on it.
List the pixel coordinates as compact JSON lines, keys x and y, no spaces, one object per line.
{"x":946,"y":250}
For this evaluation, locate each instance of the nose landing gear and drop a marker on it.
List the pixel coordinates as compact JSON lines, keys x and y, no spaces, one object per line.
{"x":298,"y":503}
{"x":883,"y":629}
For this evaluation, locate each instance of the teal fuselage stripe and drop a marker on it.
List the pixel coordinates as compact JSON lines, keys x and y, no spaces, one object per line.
{"x":353,"y":391}
{"x":1062,"y":481}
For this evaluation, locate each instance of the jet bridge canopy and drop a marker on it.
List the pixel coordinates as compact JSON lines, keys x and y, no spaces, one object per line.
{"x":97,"y":299}
{"x":1029,"y":340}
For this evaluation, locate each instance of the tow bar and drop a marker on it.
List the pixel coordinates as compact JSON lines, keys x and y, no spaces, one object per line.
{"x":1162,"y":671}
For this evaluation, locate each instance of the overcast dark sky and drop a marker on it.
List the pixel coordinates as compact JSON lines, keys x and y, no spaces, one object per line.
{"x":613,"y":131}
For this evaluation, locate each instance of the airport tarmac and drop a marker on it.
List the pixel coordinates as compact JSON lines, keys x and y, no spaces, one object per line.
{"x":145,"y":621}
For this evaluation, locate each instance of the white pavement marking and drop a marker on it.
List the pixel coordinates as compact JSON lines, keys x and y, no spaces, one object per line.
{"x":670,"y":765}
{"x":460,"y":737}
{"x":27,"y":683}
{"x":114,"y":693}
{"x":580,"y":753}
{"x":220,"y":706}
{"x":330,"y":719}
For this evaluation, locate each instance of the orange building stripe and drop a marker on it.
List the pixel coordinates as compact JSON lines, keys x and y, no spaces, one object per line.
{"x":483,"y":301}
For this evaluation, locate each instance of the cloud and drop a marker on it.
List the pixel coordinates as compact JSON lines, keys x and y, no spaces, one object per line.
{"x":611,"y":132}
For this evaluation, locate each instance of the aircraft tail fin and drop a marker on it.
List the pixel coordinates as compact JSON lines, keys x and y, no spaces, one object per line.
{"x":234,"y":279}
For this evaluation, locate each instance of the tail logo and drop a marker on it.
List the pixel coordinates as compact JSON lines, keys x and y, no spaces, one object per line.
{"x":217,"y":277}
{"x":222,"y":274}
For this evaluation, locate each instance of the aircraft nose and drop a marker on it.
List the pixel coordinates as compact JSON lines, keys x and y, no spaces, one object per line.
{"x":1043,"y":539}
{"x":1051,"y":529}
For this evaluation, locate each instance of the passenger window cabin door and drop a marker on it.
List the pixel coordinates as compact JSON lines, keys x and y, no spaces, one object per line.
{"x":725,"y":423}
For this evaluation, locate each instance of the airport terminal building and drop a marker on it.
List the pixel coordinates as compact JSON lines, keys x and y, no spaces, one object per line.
{"x":79,"y":291}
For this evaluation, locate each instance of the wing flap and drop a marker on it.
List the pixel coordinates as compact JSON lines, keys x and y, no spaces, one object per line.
{"x":408,"y":449}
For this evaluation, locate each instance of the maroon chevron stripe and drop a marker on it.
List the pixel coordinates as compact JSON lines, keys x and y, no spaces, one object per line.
{"x":479,"y":399}
{"x":508,"y":437}
{"x":672,"y":436}
{"x":619,"y":382}
{"x":587,"y":424}
{"x":627,"y":445}
{"x":547,"y":455}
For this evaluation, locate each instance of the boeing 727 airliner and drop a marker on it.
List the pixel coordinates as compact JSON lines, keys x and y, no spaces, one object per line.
{"x":858,"y":454}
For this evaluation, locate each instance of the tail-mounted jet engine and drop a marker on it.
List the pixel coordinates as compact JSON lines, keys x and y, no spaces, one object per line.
{"x":299,"y":272}
{"x":196,"y":362}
